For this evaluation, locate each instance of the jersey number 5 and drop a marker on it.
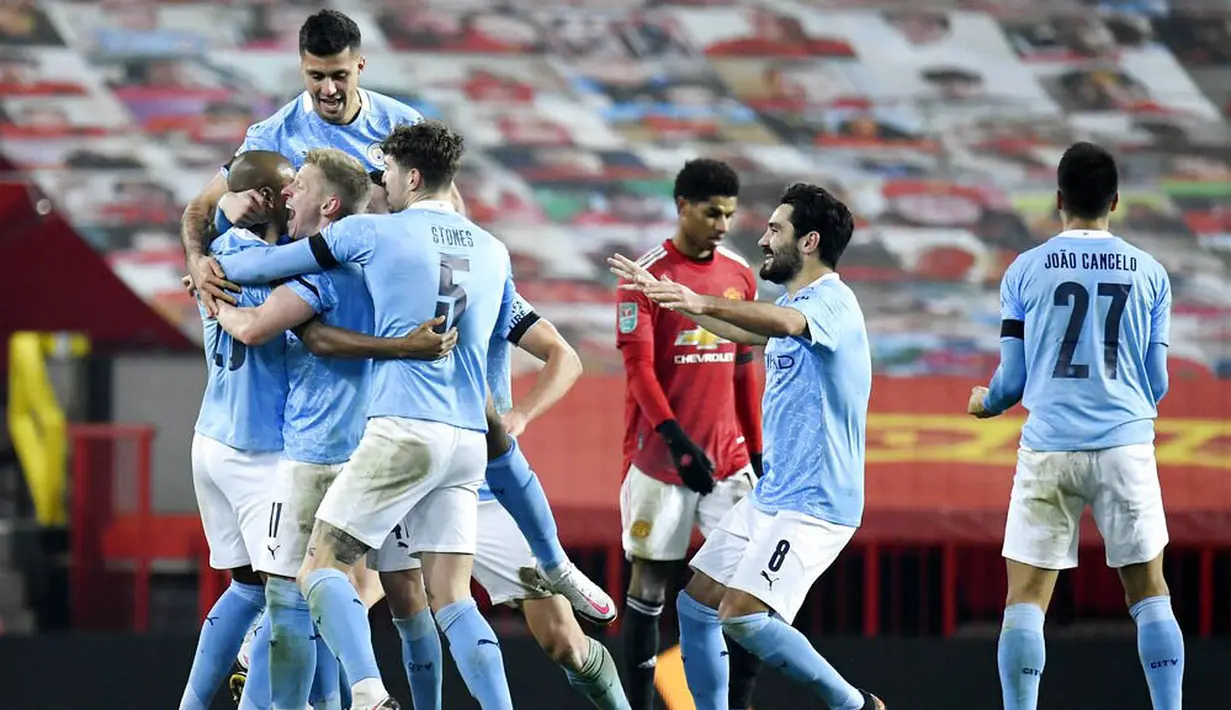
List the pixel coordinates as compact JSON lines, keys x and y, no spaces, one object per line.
{"x":451,"y":303}
{"x":1076,"y":294}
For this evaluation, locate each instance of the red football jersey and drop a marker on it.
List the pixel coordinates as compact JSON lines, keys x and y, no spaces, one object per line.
{"x":695,"y":368}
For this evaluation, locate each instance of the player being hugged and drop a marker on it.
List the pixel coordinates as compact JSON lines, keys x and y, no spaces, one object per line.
{"x":753,"y":572}
{"x":692,"y":430}
{"x":423,"y":451}
{"x":237,"y":443}
{"x":1083,"y":346}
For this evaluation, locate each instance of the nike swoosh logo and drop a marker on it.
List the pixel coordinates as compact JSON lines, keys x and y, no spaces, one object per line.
{"x":603,"y":609}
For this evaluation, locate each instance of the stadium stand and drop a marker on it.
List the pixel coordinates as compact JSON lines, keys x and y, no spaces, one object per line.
{"x":941,"y":128}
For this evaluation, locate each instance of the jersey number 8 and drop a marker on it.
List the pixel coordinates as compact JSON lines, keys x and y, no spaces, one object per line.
{"x":451,"y":303}
{"x":1071,"y":291}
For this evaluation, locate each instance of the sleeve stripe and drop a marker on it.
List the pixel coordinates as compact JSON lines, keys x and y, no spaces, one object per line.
{"x":522,"y":326}
{"x":320,"y":250}
{"x":308,"y":285}
{"x":1013,"y":329}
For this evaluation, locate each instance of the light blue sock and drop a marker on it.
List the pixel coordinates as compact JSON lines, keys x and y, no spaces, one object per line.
{"x":342,"y":619}
{"x":1021,"y":656}
{"x":326,"y":693}
{"x":256,"y":686}
{"x":782,"y":647}
{"x":1160,"y":643}
{"x":222,"y":633}
{"x":422,"y":656}
{"x":704,"y":653}
{"x":292,"y":649}
{"x":517,"y":488}
{"x":474,"y":648}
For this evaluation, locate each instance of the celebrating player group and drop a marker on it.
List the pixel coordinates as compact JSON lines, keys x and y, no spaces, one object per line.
{"x":358,"y":419}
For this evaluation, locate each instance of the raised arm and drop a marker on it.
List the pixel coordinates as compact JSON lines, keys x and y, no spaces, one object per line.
{"x":195,"y":236}
{"x":350,"y":240}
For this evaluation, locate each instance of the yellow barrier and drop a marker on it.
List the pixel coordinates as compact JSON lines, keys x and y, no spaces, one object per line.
{"x":36,"y":420}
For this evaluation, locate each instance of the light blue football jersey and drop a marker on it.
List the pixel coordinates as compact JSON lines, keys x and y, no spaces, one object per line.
{"x":246,"y":388}
{"x":420,"y":263}
{"x":1091,"y":304}
{"x":296,"y":128}
{"x":326,"y":408}
{"x":815,"y":408}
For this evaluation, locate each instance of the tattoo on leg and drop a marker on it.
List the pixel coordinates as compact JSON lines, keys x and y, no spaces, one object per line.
{"x":346,"y":549}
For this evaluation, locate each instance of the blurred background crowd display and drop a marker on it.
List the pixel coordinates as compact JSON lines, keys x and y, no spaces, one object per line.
{"x":940,"y":127}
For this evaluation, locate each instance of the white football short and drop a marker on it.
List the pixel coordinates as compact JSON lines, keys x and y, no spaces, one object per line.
{"x":503,"y":563}
{"x":423,"y":475}
{"x":775,"y":557}
{"x":1052,"y":488}
{"x":297,"y":492}
{"x":658,"y":518}
{"x":232,"y":489}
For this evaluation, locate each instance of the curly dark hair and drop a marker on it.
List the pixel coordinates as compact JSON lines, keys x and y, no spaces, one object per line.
{"x":703,"y":178}
{"x":329,"y":32}
{"x":814,"y":209}
{"x":430,"y":147}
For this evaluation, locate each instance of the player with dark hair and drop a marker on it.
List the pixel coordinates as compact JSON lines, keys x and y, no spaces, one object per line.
{"x":1083,"y":346}
{"x":237,"y":442}
{"x":692,"y":430}
{"x":421,"y":460}
{"x":334,"y":111}
{"x":753,"y":572}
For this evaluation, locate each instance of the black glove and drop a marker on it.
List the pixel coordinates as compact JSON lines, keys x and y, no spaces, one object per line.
{"x":695,"y":468}
{"x":758,"y":467}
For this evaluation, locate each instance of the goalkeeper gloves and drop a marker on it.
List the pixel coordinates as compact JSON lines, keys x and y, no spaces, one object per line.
{"x":695,"y":468}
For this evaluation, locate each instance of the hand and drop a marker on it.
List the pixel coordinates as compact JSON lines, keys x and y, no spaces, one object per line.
{"x":210,"y":282}
{"x":515,"y":422}
{"x":664,"y":291}
{"x":246,"y":208}
{"x":974,"y":406}
{"x":186,"y":282}
{"x":424,"y":343}
{"x":695,"y":468}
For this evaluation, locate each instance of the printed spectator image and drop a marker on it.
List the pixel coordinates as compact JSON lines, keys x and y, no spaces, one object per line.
{"x":618,"y":354}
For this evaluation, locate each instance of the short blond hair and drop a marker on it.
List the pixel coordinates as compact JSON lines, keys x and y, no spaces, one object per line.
{"x":345,"y":176}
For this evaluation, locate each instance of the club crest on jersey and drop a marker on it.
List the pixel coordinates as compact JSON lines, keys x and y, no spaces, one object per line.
{"x":628,"y":317}
{"x":376,"y":155}
{"x":733,"y":294}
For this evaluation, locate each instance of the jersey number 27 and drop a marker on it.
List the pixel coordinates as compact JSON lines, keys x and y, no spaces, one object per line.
{"x":1071,"y":292}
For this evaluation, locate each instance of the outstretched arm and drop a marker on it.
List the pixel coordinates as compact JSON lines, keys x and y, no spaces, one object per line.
{"x":422,"y":343}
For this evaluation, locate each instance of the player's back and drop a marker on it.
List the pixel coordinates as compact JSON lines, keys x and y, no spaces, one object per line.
{"x":1090,"y":304}
{"x":695,"y":368}
{"x":429,"y":261}
{"x":246,"y":387}
{"x":326,"y":407}
{"x":296,"y":128}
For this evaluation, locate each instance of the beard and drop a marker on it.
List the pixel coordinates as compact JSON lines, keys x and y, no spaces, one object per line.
{"x":782,"y":266}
